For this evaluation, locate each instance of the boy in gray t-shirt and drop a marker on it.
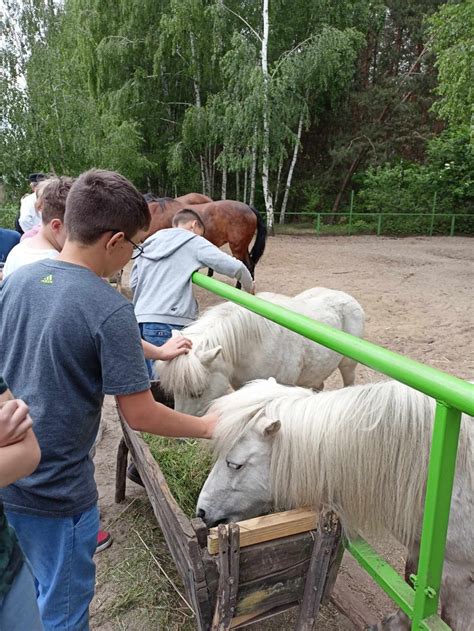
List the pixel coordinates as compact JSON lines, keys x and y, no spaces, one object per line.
{"x":68,"y":338}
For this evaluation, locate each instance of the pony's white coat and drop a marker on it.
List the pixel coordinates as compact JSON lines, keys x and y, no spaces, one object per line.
{"x":362,"y":450}
{"x":231,"y":346}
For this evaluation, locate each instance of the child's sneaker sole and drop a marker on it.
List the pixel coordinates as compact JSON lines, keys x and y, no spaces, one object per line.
{"x":104,"y":540}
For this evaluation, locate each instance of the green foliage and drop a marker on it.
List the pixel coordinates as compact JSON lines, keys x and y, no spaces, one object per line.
{"x":170,"y":93}
{"x":451,"y":29}
{"x":411,"y":187}
{"x":7,"y":217}
{"x":185,"y":465}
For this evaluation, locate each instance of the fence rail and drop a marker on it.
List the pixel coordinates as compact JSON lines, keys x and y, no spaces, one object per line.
{"x":316,"y":216}
{"x":453,"y":396}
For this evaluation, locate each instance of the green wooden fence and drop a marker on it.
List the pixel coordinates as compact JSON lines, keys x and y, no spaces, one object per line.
{"x":453,"y":396}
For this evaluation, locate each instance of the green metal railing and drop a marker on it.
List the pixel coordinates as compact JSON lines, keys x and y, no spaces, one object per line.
{"x":379,"y":216}
{"x":453,"y":396}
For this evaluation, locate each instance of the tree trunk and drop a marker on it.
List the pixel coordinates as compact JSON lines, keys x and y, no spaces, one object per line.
{"x":253,"y":171}
{"x":203,"y":175}
{"x":237,"y":185}
{"x":292,"y":167}
{"x":244,"y":198}
{"x":266,"y":125}
{"x":277,"y":186}
{"x":197,"y":98}
{"x":224,"y":183}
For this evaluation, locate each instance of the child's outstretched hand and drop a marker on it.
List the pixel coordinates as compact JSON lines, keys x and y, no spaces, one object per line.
{"x":14,"y":422}
{"x":178,"y":345}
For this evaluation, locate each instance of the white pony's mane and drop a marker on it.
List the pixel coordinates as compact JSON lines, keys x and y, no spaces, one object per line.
{"x":362,"y":450}
{"x":227,"y":325}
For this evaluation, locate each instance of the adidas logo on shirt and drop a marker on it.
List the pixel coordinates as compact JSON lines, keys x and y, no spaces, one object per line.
{"x":47,"y":280}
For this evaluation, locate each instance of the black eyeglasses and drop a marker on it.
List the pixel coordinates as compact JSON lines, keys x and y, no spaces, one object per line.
{"x":137,"y":249}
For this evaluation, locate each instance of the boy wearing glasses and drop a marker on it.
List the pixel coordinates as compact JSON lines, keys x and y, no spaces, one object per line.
{"x":79,"y":338}
{"x":161,"y":277}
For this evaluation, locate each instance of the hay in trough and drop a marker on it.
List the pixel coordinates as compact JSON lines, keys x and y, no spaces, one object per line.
{"x":185,"y":465}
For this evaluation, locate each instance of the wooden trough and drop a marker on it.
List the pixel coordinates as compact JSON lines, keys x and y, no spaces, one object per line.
{"x":238,"y":574}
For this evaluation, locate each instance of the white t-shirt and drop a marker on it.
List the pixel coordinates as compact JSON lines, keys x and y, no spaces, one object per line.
{"x":28,"y":215}
{"x":23,"y":254}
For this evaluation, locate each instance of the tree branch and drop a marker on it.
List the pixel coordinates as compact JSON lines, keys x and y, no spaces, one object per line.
{"x":243,"y":20}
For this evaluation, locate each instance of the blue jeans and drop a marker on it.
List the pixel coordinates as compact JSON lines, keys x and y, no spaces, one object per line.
{"x":19,"y":609}
{"x":61,"y":550}
{"x":158,"y":334}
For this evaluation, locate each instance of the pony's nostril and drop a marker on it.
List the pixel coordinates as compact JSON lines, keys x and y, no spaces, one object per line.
{"x":201,"y":513}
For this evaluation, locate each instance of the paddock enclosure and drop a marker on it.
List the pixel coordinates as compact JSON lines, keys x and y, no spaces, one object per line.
{"x":416,"y":294}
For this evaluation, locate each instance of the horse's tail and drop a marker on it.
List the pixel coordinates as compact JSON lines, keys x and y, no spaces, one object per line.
{"x":259,"y":246}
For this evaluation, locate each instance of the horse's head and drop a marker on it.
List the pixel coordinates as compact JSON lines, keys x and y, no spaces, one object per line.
{"x":195,"y":379}
{"x":239,"y":486}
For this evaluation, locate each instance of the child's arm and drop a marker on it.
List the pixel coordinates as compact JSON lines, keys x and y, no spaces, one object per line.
{"x":171,"y":349}
{"x":210,"y":256}
{"x":14,"y":420}
{"x":144,"y":414}
{"x":19,"y":460}
{"x":18,"y":456}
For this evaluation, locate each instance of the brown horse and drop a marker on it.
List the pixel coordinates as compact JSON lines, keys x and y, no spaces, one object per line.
{"x":189,"y":198}
{"x":226,"y":221}
{"x":194,"y":198}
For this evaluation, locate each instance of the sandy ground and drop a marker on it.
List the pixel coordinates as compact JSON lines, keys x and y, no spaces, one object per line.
{"x":417,"y":295}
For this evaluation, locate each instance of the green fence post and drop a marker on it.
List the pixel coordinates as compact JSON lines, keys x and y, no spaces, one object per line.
{"x":433,"y":213}
{"x":453,"y":219}
{"x":350,"y":213}
{"x":439,"y":487}
{"x":379,"y":225}
{"x":318,"y":224}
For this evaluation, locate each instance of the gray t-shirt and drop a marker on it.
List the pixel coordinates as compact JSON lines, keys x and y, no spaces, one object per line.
{"x":67,"y":338}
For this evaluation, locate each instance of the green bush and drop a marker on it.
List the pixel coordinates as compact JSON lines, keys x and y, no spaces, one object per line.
{"x":407,"y":187}
{"x":7,"y":217}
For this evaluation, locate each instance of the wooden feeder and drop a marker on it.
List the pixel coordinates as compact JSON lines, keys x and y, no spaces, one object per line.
{"x":237,"y":574}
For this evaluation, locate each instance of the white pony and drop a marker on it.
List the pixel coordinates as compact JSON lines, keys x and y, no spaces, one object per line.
{"x":363,"y":451}
{"x":232,"y":345}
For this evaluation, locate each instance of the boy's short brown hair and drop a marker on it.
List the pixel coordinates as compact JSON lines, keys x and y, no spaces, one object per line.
{"x":104,"y":200}
{"x":53,"y":194}
{"x":186,"y":215}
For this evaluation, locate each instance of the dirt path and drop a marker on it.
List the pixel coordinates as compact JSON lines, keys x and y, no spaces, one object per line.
{"x":417,"y":295}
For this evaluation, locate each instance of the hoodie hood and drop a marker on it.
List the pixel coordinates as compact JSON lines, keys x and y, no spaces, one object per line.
{"x":166,"y":242}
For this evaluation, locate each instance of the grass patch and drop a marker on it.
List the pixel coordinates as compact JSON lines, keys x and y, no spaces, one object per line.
{"x":185,"y":465}
{"x":132,"y":592}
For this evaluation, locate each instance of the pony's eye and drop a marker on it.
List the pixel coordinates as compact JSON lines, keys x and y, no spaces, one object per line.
{"x":196,"y":395}
{"x":233,"y":465}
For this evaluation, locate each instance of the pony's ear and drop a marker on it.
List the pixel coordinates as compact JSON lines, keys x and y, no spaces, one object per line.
{"x":271,"y":428}
{"x":207,"y":357}
{"x":271,"y":380}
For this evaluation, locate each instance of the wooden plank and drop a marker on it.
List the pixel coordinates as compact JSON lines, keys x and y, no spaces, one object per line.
{"x":257,"y":616}
{"x":229,"y":555}
{"x":269,"y":527}
{"x":270,"y":557}
{"x":327,"y":542}
{"x":272,"y":591}
{"x":350,"y":604}
{"x":121,"y":471}
{"x":222,"y":611}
